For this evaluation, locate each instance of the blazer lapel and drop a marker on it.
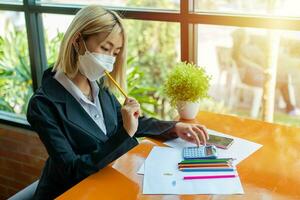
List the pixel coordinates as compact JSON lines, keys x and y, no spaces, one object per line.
{"x":77,"y":115}
{"x":74,"y":111}
{"x":108,"y":112}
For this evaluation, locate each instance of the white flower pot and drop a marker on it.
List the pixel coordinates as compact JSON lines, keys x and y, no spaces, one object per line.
{"x":187,"y":110}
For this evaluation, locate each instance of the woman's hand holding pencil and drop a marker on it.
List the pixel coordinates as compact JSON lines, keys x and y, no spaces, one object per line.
{"x":130,"y":115}
{"x":130,"y":110}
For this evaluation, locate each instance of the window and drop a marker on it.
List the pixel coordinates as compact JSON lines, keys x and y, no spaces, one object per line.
{"x":252,"y":7}
{"x":161,"y":33}
{"x":54,"y":28}
{"x":15,"y":74}
{"x":151,"y":54}
{"x":236,"y":58}
{"x":11,"y":2}
{"x":163,"y":4}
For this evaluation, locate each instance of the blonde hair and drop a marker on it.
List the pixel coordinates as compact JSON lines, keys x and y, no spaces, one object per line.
{"x":90,"y":20}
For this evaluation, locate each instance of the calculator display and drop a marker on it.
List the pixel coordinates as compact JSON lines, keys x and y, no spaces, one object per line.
{"x":209,"y":151}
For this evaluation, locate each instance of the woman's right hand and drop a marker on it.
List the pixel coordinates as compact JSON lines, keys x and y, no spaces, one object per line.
{"x":130,"y":114}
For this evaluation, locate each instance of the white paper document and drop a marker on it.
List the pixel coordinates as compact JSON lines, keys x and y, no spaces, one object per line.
{"x":239,"y":150}
{"x":163,"y":177}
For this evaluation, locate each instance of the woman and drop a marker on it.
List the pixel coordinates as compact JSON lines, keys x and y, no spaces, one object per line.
{"x":79,"y":120}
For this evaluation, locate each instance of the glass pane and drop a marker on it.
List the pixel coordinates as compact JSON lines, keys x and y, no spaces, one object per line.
{"x":54,"y":34}
{"x":11,"y":2}
{"x":151,"y":54}
{"x":237,"y":59}
{"x":163,"y":4}
{"x":253,"y":7}
{"x":15,"y":74}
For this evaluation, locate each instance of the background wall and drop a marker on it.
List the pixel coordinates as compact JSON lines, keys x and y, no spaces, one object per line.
{"x":22,"y":157}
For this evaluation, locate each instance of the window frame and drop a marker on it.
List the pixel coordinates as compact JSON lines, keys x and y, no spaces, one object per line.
{"x":185,"y":16}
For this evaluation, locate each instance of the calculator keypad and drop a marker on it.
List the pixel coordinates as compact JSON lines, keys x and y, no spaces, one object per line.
{"x":193,"y":152}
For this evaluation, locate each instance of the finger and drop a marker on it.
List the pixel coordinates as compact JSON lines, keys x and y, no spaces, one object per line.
{"x":204,"y":129}
{"x":133,"y":109}
{"x":189,"y":139}
{"x":131,"y":100}
{"x":187,"y":136}
{"x":134,"y":106}
{"x":129,"y":103}
{"x":195,"y":136}
{"x":200,"y":133}
{"x":127,"y":100}
{"x":132,"y":103}
{"x":136,"y":114}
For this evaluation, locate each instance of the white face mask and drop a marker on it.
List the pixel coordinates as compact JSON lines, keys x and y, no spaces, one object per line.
{"x":93,"y":65}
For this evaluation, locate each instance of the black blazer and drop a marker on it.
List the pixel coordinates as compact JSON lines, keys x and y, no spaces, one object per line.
{"x":77,"y":147}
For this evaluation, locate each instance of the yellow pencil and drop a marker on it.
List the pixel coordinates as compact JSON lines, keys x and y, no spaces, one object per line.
{"x":136,"y":114}
{"x":116,"y":84}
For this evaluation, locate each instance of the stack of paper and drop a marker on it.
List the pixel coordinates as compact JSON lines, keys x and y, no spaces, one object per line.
{"x":163,"y":177}
{"x":166,"y":174}
{"x":240,"y":149}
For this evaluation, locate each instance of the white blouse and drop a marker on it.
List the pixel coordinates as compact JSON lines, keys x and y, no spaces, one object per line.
{"x":92,"y":108}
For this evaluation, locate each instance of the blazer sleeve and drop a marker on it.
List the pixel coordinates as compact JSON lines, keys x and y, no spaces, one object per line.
{"x":152,"y":127}
{"x":44,"y":120}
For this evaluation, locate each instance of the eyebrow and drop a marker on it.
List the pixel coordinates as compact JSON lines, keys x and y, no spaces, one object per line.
{"x":113,"y":44}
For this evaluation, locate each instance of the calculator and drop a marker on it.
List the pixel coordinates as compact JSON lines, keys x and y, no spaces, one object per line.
{"x":201,"y":152}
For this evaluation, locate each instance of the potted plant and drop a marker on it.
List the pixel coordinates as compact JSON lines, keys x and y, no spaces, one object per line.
{"x":186,"y":85}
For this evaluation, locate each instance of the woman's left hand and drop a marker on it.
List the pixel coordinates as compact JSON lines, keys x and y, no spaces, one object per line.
{"x":194,"y":133}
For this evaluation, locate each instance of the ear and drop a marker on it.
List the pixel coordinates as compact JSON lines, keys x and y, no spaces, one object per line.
{"x":76,"y":41}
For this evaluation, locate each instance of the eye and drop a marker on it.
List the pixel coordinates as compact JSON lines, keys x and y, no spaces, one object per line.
{"x":104,"y":49}
{"x":115,"y":54}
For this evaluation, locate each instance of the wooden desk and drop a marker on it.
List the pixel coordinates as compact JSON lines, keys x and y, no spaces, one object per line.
{"x":273,"y":172}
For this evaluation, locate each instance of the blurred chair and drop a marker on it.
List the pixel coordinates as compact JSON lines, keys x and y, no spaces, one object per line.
{"x":27,"y":193}
{"x":231,"y":87}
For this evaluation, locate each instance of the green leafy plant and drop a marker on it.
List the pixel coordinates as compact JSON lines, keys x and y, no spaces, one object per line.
{"x":155,"y":52}
{"x":52,"y":46}
{"x":139,"y":89}
{"x":186,"y":82}
{"x":15,"y":75}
